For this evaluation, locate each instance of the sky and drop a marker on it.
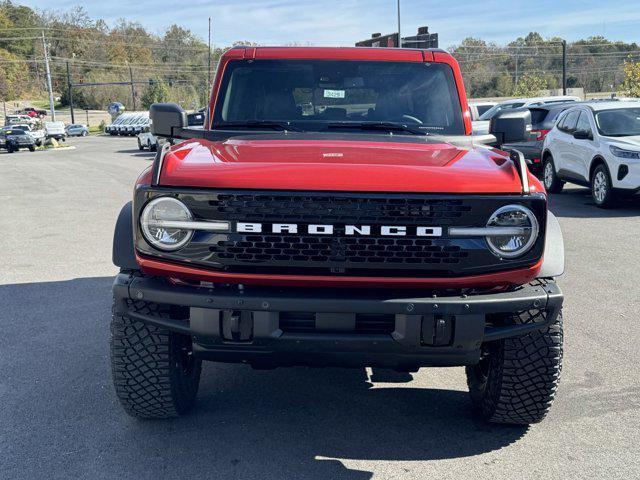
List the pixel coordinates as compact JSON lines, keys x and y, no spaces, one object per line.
{"x":343,"y":22}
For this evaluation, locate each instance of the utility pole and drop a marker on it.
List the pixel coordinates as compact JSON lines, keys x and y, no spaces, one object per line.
{"x":399,"y":29}
{"x":70,"y":93}
{"x":46,"y":65}
{"x":133,"y":90}
{"x":564,"y":67}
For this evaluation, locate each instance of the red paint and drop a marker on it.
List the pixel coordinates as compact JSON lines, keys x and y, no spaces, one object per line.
{"x":337,"y":165}
{"x":540,"y":134}
{"x":168,"y":269}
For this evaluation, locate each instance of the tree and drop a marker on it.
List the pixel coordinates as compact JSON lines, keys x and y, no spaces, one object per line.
{"x":156,"y":93}
{"x":530,"y":85}
{"x":631,"y":84}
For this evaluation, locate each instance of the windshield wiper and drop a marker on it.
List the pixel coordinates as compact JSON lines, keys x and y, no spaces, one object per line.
{"x":285,"y":126}
{"x":389,"y":126}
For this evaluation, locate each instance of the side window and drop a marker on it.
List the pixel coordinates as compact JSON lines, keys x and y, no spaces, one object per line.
{"x":583,"y":124}
{"x":569,"y":121}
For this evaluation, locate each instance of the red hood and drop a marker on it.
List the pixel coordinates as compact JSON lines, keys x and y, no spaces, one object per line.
{"x":338,"y":165}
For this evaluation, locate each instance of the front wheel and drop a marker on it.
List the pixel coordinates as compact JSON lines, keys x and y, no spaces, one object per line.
{"x":140,"y":146}
{"x":602,"y":188}
{"x":32,"y":148}
{"x":84,"y":133}
{"x":154,"y":372}
{"x":516,"y":379}
{"x":552,"y":182}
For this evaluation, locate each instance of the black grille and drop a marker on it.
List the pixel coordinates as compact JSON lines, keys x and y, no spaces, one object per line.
{"x":358,"y":250}
{"x":334,"y":208}
{"x":301,"y":253}
{"x":366,"y":323}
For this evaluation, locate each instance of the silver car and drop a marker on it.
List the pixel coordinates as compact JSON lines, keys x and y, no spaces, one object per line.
{"x":77,"y":130}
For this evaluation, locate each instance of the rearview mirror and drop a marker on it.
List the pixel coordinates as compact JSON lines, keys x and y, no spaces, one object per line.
{"x":511,"y":126}
{"x":165,"y":117}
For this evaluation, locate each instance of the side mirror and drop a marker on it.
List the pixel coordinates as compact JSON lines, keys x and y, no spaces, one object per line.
{"x":582,"y":135}
{"x":165,"y":117}
{"x":511,"y":126}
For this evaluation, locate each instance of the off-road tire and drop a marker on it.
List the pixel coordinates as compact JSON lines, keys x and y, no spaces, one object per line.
{"x":153,"y":372}
{"x":552,"y":182}
{"x":516,"y":379}
{"x":605,"y":197}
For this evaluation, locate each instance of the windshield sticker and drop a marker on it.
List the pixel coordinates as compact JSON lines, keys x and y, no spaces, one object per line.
{"x":334,"y":94}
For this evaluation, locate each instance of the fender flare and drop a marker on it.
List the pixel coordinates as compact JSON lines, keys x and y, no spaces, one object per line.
{"x":123,"y":254}
{"x":553,"y":263}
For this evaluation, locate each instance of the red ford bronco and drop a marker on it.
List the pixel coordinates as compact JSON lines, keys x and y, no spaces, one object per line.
{"x":336,"y":210}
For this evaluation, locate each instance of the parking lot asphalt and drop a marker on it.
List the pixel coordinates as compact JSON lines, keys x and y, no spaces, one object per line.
{"x":59,"y":417}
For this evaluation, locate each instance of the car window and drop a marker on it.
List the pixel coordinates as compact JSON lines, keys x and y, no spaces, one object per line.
{"x":583,"y":124}
{"x":621,"y":122}
{"x":569,"y":121}
{"x":552,"y":117}
{"x":482,"y":109}
{"x":538,"y":115}
{"x":314,"y":94}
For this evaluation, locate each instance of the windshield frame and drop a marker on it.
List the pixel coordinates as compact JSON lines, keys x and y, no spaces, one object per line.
{"x":457,"y":126}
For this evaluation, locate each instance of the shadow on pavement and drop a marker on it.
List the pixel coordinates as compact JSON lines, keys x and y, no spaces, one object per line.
{"x":63,"y":421}
{"x":577,"y":203}
{"x":134,"y":152}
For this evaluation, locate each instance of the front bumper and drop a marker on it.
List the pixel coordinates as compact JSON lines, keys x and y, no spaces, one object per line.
{"x":231,"y":324}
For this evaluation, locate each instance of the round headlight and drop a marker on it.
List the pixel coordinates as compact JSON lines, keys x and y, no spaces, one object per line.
{"x":516,"y":230}
{"x":160,"y":222}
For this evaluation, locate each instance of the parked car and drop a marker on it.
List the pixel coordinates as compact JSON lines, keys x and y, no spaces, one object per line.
{"x":34,"y":112}
{"x":13,"y":139}
{"x":35,"y":131}
{"x":121,"y":127}
{"x":481,"y":126}
{"x":139,"y":124}
{"x":77,"y":130}
{"x":110,"y":128}
{"x":596,"y":145}
{"x":148,"y":140}
{"x":55,"y":130}
{"x":479,"y":108}
{"x":271,"y":239}
{"x":19,"y":118}
{"x":543,"y":118}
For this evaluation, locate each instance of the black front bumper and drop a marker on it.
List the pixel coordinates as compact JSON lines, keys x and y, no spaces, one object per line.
{"x":228,"y":324}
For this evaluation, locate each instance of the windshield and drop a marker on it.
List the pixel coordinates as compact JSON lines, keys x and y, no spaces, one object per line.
{"x":622,"y":122}
{"x":315,"y":95}
{"x":493,"y":111}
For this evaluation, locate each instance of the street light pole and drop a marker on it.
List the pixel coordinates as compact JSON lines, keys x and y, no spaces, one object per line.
{"x":46,"y":65}
{"x":399,"y":28}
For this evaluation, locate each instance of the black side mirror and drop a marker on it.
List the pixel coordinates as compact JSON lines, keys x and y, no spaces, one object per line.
{"x":582,"y":135}
{"x":511,"y":126}
{"x":166,"y":117}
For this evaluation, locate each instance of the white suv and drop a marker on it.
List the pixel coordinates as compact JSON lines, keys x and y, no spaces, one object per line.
{"x":596,"y":145}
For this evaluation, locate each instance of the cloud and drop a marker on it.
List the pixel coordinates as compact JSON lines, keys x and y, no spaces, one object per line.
{"x":343,"y":22}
